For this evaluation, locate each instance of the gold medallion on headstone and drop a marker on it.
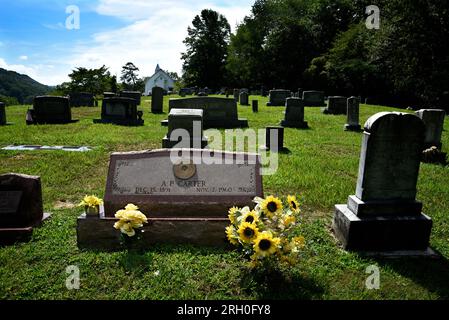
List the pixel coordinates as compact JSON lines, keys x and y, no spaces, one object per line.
{"x":184,"y":170}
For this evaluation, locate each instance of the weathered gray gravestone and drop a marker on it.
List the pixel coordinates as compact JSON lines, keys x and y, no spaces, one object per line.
{"x":218,"y":112}
{"x":244,"y":98}
{"x":2,"y":114}
{"x":157,"y":100}
{"x":278,"y":97}
{"x":313,"y":98}
{"x":120,"y":111}
{"x":236,"y":95}
{"x":294,"y":114}
{"x":183,"y":92}
{"x":384,"y":215}
{"x":274,"y":137}
{"x":255,"y":106}
{"x":353,"y":110}
{"x":434,"y":121}
{"x":81,"y":99}
{"x":51,"y":110}
{"x":186,"y":199}
{"x":191,"y":121}
{"x":336,"y":105}
{"x":21,"y":207}
{"x":136,"y":95}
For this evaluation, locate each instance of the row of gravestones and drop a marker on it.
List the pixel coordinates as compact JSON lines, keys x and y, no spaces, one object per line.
{"x":217,"y":113}
{"x":188,"y":197}
{"x":83,"y":99}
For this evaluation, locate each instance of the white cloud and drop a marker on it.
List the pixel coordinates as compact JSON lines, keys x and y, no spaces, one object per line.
{"x":56,"y":26}
{"x":23,"y":58}
{"x":155,"y":33}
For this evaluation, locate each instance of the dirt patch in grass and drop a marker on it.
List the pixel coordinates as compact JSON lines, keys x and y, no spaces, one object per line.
{"x":63,"y":204}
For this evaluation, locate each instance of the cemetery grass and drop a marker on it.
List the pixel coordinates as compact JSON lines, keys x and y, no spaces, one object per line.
{"x":320,"y":167}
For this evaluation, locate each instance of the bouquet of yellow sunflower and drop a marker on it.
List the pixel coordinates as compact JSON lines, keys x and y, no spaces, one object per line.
{"x":267,"y":232}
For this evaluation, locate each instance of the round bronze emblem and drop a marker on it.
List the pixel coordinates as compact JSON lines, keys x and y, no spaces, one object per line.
{"x":184,"y":170}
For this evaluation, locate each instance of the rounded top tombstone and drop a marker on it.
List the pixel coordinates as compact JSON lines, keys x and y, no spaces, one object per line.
{"x":396,"y":124}
{"x":391,"y":153}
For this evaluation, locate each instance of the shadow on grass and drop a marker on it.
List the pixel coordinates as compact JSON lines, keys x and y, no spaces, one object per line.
{"x":279,"y":285}
{"x":431,"y":274}
{"x":137,"y":262}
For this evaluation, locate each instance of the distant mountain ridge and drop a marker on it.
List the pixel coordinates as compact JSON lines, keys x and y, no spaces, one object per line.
{"x":20,"y":86}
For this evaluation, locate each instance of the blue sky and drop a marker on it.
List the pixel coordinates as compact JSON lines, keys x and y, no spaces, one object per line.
{"x":34,"y":39}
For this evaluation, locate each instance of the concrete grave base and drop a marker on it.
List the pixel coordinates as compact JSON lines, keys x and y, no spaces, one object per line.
{"x":290,"y":124}
{"x":51,"y":122}
{"x":328,"y":111}
{"x":9,"y":236}
{"x":130,"y":123}
{"x":168,"y":144}
{"x":430,"y":145}
{"x":276,"y":104}
{"x":381,"y":233}
{"x":98,"y":233}
{"x":240,"y":123}
{"x":356,"y":128}
{"x":427,"y":253}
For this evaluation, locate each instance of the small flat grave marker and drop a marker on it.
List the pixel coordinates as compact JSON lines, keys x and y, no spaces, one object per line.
{"x":50,"y":148}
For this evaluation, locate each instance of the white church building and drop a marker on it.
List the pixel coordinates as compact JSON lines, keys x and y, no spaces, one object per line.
{"x":159,"y":79}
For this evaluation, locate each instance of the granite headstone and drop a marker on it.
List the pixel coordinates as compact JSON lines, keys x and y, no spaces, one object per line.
{"x":218,"y":112}
{"x":313,"y":98}
{"x":120,"y":111}
{"x":136,"y":95}
{"x":81,"y":99}
{"x":244,"y":98}
{"x":50,"y":110}
{"x":237,"y":95}
{"x":353,"y":110}
{"x":21,"y":207}
{"x":190,"y":120}
{"x":278,"y":97}
{"x":274,"y":139}
{"x":434,"y":121}
{"x":336,"y":105}
{"x":384,"y":215}
{"x":186,"y":199}
{"x":294,"y":114}
{"x":255,"y":105}
{"x":157,"y":100}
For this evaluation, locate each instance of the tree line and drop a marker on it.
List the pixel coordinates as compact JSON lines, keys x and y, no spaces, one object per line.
{"x":100,"y":80}
{"x":326,"y":45}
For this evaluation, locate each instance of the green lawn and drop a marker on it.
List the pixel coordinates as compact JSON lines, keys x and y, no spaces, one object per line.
{"x":321,"y":168}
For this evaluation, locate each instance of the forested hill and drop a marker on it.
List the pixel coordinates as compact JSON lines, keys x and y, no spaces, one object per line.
{"x":20,"y":86}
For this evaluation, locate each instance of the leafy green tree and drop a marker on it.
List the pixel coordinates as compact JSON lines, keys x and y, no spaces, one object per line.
{"x":95,"y":81}
{"x":205,"y":58}
{"x":277,"y":42}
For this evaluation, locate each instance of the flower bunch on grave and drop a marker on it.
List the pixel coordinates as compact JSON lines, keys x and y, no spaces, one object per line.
{"x":91,"y":201}
{"x":130,"y":221}
{"x":91,"y":205}
{"x":267,"y":234}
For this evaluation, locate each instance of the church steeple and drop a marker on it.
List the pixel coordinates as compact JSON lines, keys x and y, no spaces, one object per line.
{"x":157,"y":68}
